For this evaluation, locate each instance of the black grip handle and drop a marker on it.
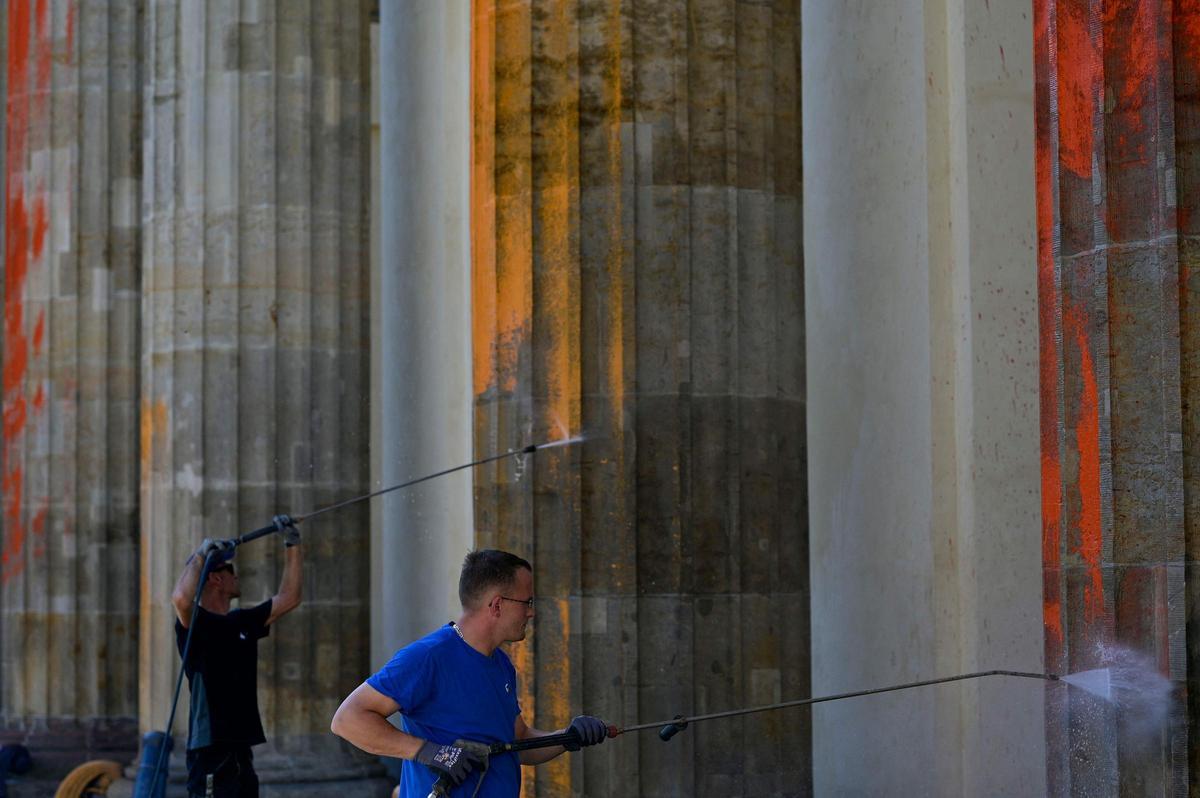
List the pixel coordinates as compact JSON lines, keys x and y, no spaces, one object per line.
{"x":671,"y":729}
{"x":258,"y":533}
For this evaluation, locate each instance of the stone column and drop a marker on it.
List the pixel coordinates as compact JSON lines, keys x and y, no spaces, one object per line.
{"x":69,"y":571}
{"x":255,"y":343}
{"x":424,"y":307}
{"x":1117,"y":184}
{"x":922,"y":341}
{"x":637,"y":279}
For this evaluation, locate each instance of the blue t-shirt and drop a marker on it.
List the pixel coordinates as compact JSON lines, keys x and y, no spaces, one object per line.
{"x":448,"y":691}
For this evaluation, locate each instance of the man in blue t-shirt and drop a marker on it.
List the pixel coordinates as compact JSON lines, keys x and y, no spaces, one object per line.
{"x":458,"y":684}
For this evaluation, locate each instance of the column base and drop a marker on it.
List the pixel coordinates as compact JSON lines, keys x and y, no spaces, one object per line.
{"x":58,"y":745}
{"x":318,"y":766}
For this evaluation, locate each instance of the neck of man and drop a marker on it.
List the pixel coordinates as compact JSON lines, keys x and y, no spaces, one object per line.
{"x":215,"y":602}
{"x":475,"y":633}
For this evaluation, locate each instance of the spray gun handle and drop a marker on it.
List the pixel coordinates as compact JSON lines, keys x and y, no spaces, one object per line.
{"x":671,"y":729}
{"x":441,"y":788}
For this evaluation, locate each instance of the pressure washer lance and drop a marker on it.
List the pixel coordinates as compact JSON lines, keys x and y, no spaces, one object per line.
{"x":570,"y":738}
{"x":156,"y":746}
{"x":669,"y":728}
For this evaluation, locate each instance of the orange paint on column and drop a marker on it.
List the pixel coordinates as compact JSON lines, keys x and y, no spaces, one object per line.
{"x":1131,"y":44}
{"x":39,"y":333}
{"x":513,"y":193}
{"x":483,"y":195}
{"x":16,"y":265}
{"x":1087,"y":443}
{"x":24,"y":246}
{"x":1078,"y":69}
{"x":616,"y":252}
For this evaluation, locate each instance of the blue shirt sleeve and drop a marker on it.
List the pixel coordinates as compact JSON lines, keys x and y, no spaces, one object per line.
{"x":406,"y":678}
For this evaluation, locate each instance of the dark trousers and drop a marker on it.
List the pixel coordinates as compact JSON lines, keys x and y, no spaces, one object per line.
{"x":229,"y":770}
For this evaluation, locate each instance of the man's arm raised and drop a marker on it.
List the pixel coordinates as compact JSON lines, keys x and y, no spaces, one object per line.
{"x":185,"y":589}
{"x":290,"y":584}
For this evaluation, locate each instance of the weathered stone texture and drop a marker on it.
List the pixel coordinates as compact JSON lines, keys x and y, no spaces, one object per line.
{"x":255,"y":353}
{"x":68,"y":587}
{"x":1115,"y":113}
{"x":639,"y":282}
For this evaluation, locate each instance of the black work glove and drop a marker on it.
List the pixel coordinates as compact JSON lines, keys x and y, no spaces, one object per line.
{"x":452,"y":761}
{"x":287,"y":528}
{"x":589,"y":730}
{"x":218,"y":545}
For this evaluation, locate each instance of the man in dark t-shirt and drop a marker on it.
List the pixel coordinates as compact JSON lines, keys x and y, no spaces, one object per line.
{"x":222,"y":665}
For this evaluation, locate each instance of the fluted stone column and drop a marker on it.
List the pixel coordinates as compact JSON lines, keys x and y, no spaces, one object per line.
{"x":255,"y":343}
{"x":922,"y":338}
{"x":424,"y":306}
{"x":69,"y":573}
{"x":637,"y":279}
{"x":1118,"y":190}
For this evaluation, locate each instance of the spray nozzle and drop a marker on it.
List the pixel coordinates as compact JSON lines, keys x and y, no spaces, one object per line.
{"x":671,"y":729}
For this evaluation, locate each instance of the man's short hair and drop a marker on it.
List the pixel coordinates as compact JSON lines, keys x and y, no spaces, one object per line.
{"x":487,"y":568}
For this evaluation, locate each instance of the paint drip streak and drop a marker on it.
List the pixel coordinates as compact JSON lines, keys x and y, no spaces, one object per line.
{"x":27,"y":224}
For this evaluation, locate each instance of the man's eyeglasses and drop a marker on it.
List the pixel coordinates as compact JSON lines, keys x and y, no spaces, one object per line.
{"x":527,"y":602}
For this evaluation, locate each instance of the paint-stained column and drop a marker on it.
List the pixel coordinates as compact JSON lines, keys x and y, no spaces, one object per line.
{"x":254,"y":354}
{"x":637,"y":279}
{"x":69,"y":568}
{"x":1117,"y":363}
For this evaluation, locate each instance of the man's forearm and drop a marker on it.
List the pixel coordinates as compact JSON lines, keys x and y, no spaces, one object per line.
{"x":536,"y":756}
{"x":374,"y":734}
{"x":184,"y":594}
{"x":293,"y":572}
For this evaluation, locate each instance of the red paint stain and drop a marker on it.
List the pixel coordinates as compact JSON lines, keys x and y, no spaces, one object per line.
{"x":39,"y":399}
{"x":42,"y":55}
{"x":39,"y":333}
{"x":17,"y":127}
{"x":1078,"y":66}
{"x":1186,"y":30}
{"x":38,"y":524}
{"x":1087,"y":447}
{"x":1131,"y":62}
{"x":24,"y":246}
{"x":40,"y":225}
{"x":71,"y":33}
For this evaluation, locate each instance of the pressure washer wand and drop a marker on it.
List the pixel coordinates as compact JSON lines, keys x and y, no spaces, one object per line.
{"x":669,"y":728}
{"x":266,"y":530}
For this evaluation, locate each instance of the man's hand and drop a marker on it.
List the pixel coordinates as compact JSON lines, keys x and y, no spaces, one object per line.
{"x":589,"y":730}
{"x":453,"y":761}
{"x":217,"y":545}
{"x":287,"y":527}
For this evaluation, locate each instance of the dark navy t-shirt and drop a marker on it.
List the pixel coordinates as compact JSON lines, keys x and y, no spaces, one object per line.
{"x":449,"y":691}
{"x":222,"y":670}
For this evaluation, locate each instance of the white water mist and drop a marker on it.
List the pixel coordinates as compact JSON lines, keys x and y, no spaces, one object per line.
{"x":1130,"y":681}
{"x":563,"y":442}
